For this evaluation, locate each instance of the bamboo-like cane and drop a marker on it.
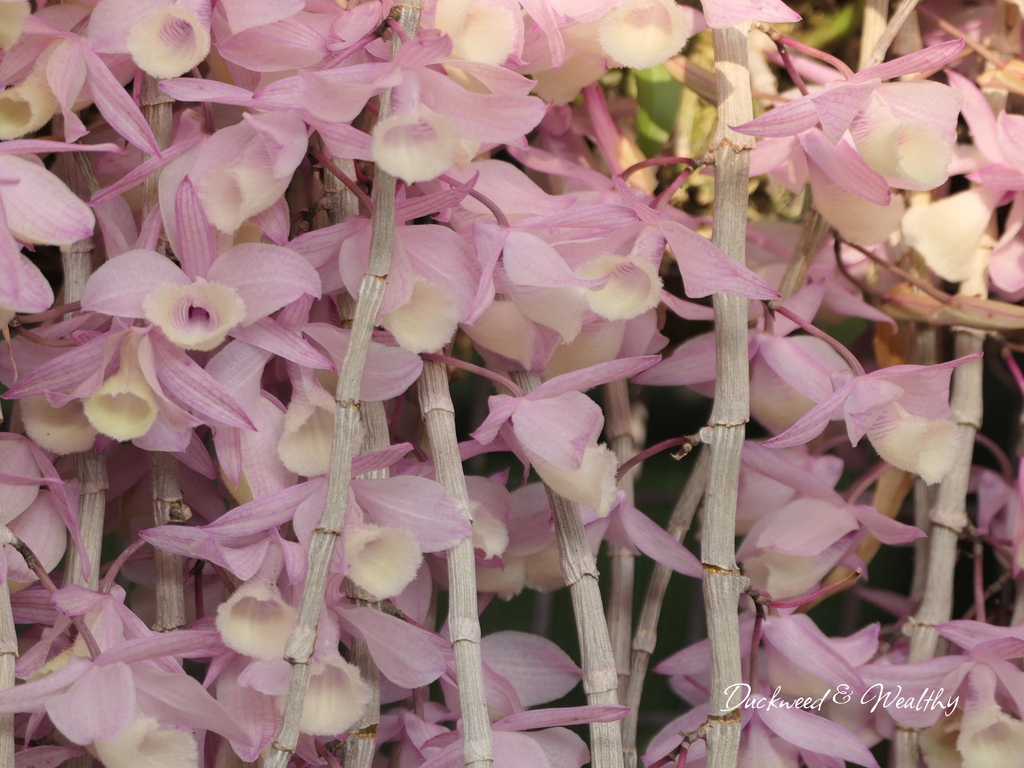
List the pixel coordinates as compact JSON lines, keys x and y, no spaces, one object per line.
{"x":302,"y":643}
{"x":360,"y":744}
{"x":723,"y":582}
{"x":8,"y":656}
{"x":646,"y":637}
{"x":90,"y":466}
{"x":618,"y":429}
{"x":579,"y":566}
{"x":463,"y":620}
{"x":163,"y":467}
{"x":949,"y":514}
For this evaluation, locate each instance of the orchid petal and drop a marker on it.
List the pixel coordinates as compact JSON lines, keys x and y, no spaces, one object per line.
{"x":98,"y":707}
{"x":417,"y":505}
{"x":267,"y":277}
{"x":410,"y":657}
{"x":655,"y":542}
{"x":119,"y":287}
{"x":63,"y":218}
{"x":117,"y":106}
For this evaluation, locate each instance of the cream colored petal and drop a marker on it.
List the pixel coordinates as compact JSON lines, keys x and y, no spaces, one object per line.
{"x":382,"y":560}
{"x":124,"y":408}
{"x":592,"y":484}
{"x":427,"y":321}
{"x":62,"y":430}
{"x":946,"y":233}
{"x":415,"y":146}
{"x":169,"y":42}
{"x":26,"y":107}
{"x":256,"y":621}
{"x":644,"y":33}
{"x":196,"y":316}
{"x":335,"y":699}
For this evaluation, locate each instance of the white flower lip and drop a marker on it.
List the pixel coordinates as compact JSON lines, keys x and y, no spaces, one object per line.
{"x":26,"y":107}
{"x":256,"y":621}
{"x":633,"y":286}
{"x":643,"y":33}
{"x":196,"y":316}
{"x":427,"y":321}
{"x":124,"y":408}
{"x":382,"y":560}
{"x":169,"y":42}
{"x":415,"y":146}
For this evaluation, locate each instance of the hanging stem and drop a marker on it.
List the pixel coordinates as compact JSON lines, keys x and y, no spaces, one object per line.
{"x":463,"y":620}
{"x":646,"y":636}
{"x":360,"y":743}
{"x":83,"y":567}
{"x":163,"y":467}
{"x":723,"y":583}
{"x":8,"y":657}
{"x":622,"y":563}
{"x":302,"y":643}
{"x":579,"y":566}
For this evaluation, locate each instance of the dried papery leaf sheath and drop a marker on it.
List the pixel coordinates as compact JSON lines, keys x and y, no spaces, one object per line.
{"x":723,"y":582}
{"x":463,"y":621}
{"x":302,"y":643}
{"x":600,"y":680}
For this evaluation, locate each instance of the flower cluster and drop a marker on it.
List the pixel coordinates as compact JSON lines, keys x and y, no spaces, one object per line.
{"x":284,"y":226}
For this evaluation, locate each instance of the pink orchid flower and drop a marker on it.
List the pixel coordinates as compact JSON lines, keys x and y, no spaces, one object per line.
{"x":210,"y":296}
{"x":166,"y":38}
{"x":903,"y":410}
{"x":131,"y":689}
{"x":135,"y":385}
{"x":555,"y":429}
{"x":873,"y":135}
{"x":63,"y":220}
